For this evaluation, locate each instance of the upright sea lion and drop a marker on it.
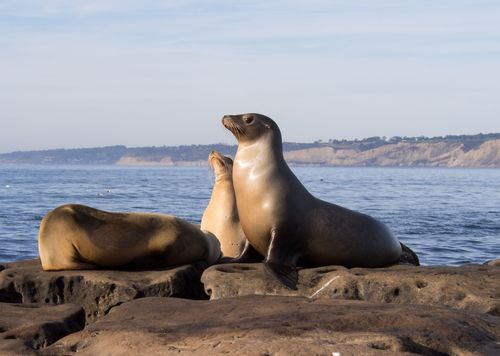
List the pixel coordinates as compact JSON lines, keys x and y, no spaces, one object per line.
{"x":79,"y":237}
{"x":284,"y":222}
{"x":221,"y":216}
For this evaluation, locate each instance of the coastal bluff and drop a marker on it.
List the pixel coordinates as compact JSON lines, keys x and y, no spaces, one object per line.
{"x":239,"y":309}
{"x":472,"y":151}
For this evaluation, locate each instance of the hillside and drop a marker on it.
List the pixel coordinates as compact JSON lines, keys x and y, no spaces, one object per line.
{"x":403,"y":154}
{"x":481,"y":150}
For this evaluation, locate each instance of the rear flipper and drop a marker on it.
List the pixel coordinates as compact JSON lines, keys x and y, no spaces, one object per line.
{"x":408,"y":257}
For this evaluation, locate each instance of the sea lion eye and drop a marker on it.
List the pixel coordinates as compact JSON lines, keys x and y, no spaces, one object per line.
{"x":248,"y":120}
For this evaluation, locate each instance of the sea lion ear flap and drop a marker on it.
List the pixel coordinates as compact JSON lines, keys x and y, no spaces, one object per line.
{"x":267,"y":126}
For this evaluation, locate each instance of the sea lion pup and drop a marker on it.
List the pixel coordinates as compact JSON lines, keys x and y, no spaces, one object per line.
{"x":80,"y":237}
{"x":221,"y":216}
{"x":284,"y":222}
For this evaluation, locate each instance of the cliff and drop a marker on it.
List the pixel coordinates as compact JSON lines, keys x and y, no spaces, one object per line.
{"x":481,"y":151}
{"x":403,"y":154}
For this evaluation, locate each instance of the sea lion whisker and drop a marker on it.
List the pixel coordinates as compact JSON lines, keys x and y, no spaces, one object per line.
{"x":236,"y":130}
{"x":241,"y":131}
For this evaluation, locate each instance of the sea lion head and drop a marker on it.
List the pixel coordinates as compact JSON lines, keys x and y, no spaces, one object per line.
{"x":250,"y":127}
{"x":222,"y":165}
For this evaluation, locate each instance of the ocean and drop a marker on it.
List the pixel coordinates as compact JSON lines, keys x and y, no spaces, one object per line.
{"x":447,"y":216}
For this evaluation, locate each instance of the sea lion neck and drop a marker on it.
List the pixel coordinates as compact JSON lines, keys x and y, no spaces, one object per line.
{"x":265,"y":150}
{"x":222,"y":172}
{"x":269,"y":140}
{"x":224,"y":177}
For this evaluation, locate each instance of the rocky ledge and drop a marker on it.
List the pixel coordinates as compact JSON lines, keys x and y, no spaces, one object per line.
{"x":28,"y":327}
{"x":387,"y":311}
{"x":470,"y":287}
{"x":275,"y":325}
{"x":97,"y":291}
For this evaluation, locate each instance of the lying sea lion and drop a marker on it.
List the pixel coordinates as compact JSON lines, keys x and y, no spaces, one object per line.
{"x":288,"y":225}
{"x":221,"y":216}
{"x":80,"y":237}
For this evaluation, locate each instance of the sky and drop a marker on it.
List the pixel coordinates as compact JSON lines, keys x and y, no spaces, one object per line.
{"x":142,"y":73}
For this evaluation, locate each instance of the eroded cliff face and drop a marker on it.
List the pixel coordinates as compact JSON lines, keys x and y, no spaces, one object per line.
{"x":403,"y":154}
{"x":144,"y":161}
{"x":466,"y":151}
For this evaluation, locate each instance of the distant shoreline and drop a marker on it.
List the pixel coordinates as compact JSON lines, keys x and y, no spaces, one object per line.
{"x":187,"y":165}
{"x":465,"y":151}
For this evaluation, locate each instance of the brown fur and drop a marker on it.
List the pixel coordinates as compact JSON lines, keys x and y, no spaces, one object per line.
{"x":80,"y":237}
{"x":221,"y":216}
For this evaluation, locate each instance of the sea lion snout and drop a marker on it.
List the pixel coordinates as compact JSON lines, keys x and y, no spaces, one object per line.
{"x":221,"y":165}
{"x":231,"y":123}
{"x":215,"y":155}
{"x":226,"y":120}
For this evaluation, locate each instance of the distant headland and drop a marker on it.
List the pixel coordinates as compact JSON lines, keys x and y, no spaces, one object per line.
{"x":481,"y":151}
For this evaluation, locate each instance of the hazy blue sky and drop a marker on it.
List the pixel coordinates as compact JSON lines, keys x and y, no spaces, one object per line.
{"x":102,"y":72}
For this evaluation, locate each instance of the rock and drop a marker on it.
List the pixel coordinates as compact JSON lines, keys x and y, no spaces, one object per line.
{"x":495,"y":263}
{"x":96,"y":290}
{"x":26,"y":327}
{"x":274,"y":325}
{"x":470,"y":287}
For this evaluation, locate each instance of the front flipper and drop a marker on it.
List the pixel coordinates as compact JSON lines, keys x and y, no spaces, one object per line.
{"x":281,"y":260}
{"x":287,"y":275}
{"x":248,"y":255}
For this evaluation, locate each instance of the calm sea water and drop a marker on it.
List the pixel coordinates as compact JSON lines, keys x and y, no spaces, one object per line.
{"x":448,"y":216}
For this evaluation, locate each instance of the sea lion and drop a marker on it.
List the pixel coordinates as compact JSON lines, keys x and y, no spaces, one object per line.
{"x":288,"y":225}
{"x":221,"y":216}
{"x":80,"y":237}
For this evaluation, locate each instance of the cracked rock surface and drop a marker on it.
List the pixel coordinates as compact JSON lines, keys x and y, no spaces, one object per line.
{"x":95,"y":290}
{"x":25,"y":328}
{"x":495,"y":262}
{"x":400,"y":310}
{"x":470,"y":287}
{"x":276,"y":325}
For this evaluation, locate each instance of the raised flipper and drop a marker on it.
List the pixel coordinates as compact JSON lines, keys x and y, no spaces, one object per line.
{"x":281,"y":260}
{"x":408,"y":257}
{"x":248,"y":255}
